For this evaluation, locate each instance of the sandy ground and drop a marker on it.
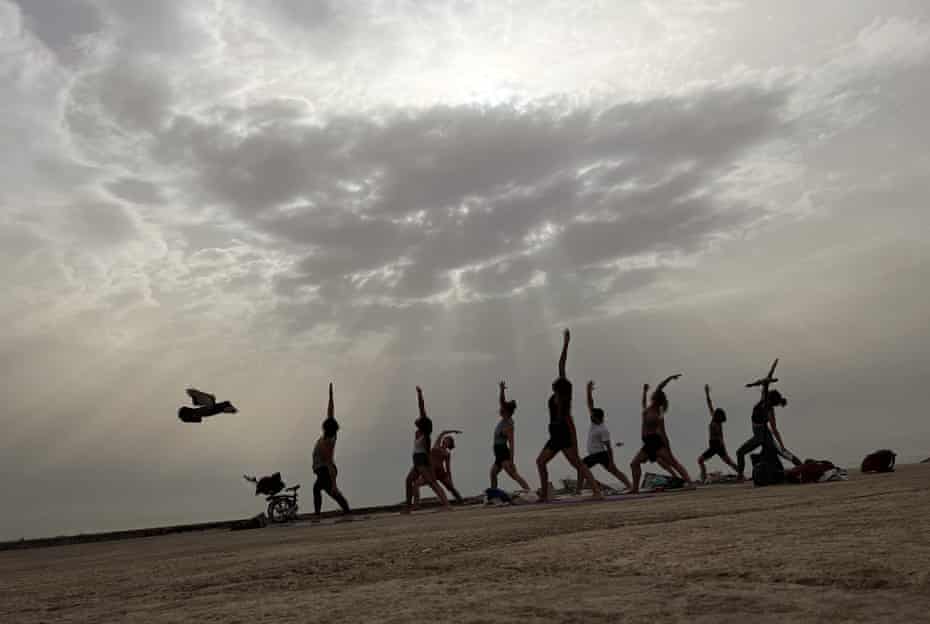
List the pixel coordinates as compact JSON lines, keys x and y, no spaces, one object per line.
{"x":857,"y":551}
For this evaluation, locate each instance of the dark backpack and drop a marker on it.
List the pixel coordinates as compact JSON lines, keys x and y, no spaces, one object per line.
{"x":269,"y":486}
{"x":767,"y":469}
{"x":879,"y":461}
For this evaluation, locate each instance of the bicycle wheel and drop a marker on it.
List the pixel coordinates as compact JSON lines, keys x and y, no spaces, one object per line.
{"x":279,"y":510}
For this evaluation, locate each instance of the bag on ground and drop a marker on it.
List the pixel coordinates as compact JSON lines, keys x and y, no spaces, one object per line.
{"x":767,"y":469}
{"x":879,"y":461}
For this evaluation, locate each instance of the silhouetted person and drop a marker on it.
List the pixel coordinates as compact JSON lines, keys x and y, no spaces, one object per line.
{"x":716,"y":445}
{"x":441,"y":462}
{"x":656,"y":447}
{"x":765,"y":432}
{"x":324,"y":462}
{"x":205,"y":406}
{"x":562,"y":435}
{"x":422,"y":466}
{"x":600,"y":451}
{"x":504,"y":447}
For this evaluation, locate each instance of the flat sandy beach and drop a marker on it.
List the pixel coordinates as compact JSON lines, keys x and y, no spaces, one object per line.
{"x":856,"y":551}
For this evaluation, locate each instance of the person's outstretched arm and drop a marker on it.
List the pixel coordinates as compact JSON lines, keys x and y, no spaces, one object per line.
{"x":645,"y":395}
{"x":710,"y":403}
{"x":765,"y":382}
{"x":666,"y":381}
{"x":420,"y":402}
{"x":590,"y":396}
{"x":331,"y":409}
{"x":442,"y":435}
{"x":503,"y":394}
{"x":566,"y":338}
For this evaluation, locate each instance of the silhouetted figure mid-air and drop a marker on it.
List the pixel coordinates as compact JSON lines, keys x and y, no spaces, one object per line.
{"x":205,"y":405}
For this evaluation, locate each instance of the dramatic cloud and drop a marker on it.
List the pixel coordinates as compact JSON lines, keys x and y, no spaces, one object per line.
{"x":260,"y":197}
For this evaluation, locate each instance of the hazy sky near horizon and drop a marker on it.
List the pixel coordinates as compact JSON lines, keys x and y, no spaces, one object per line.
{"x":257,"y":197}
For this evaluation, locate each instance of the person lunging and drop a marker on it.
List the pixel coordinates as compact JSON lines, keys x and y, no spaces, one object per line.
{"x":600,"y":451}
{"x":504,"y":447}
{"x":656,"y":447}
{"x":324,"y":463}
{"x":715,"y":445}
{"x":422,"y":466}
{"x":562,"y":435}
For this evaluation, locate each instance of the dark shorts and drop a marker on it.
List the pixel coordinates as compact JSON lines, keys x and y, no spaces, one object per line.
{"x":652,"y":444}
{"x":597,"y":459}
{"x":324,"y":480}
{"x":501,"y":455}
{"x":716,"y":448}
{"x":560,"y":437}
{"x":421,"y":460}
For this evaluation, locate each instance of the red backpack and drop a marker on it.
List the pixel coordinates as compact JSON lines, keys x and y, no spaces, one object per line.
{"x":879,"y":461}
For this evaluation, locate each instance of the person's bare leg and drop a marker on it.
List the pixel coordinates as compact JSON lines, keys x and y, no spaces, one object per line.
{"x":572,"y":456}
{"x":495,"y":470}
{"x":542,"y":461}
{"x":612,"y":469}
{"x":703,"y":468}
{"x":512,"y":471}
{"x":447,"y":483}
{"x":667,"y":455}
{"x":669,"y":467}
{"x":636,"y":468}
{"x":579,"y":482}
{"x":729,"y":462}
{"x":427,"y":473}
{"x":410,"y":484}
{"x":420,"y":482}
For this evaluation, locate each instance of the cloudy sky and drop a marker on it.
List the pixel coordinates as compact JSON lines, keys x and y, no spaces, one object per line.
{"x":257,"y":197}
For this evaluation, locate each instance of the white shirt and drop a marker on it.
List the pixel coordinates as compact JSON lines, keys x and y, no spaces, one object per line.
{"x":598,"y":439}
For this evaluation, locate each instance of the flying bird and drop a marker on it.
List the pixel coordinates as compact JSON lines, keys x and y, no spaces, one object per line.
{"x":205,"y":405}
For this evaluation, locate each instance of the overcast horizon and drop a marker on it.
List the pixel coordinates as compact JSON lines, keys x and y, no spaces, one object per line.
{"x":257,"y":198}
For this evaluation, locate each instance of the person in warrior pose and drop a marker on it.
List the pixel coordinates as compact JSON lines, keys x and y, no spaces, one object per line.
{"x":441,"y":461}
{"x":504,"y":442}
{"x":324,"y":463}
{"x":656,"y":447}
{"x":422,"y":467}
{"x":562,"y":435}
{"x":600,"y":452}
{"x":764,"y":427}
{"x":205,"y":405}
{"x":716,"y":445}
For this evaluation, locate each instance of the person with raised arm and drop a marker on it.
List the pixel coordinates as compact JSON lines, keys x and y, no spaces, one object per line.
{"x":600,"y":452}
{"x":324,"y":463}
{"x":441,"y":462}
{"x":562,"y":435}
{"x":656,"y":447}
{"x":764,"y":427}
{"x":504,"y":447}
{"x":422,"y":467}
{"x":716,"y":445}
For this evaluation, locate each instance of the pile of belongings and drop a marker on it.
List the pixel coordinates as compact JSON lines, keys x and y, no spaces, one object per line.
{"x":570,"y":486}
{"x":497,"y":496}
{"x":659,"y":482}
{"x":267,"y":486}
{"x":816,"y":471}
{"x":717,"y":477}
